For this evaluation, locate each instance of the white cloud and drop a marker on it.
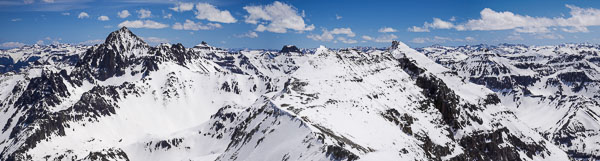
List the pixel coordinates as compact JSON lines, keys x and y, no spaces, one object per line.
{"x":386,"y":38}
{"x":532,"y":30}
{"x":48,"y":1}
{"x":387,"y":29}
{"x":16,"y":19}
{"x":65,"y":13}
{"x":439,"y":39}
{"x":329,"y":35}
{"x":143,"y":13}
{"x":436,"y":24}
{"x":191,"y":25}
{"x":123,"y":14}
{"x":155,"y":40}
{"x":419,"y":40}
{"x":250,"y":34}
{"x":181,"y":7}
{"x":277,"y":17}
{"x":579,"y":20}
{"x":347,"y":31}
{"x":469,"y":38}
{"x":367,"y":37}
{"x":337,"y":17}
{"x":103,"y":18}
{"x":167,"y":16}
{"x":28,"y":1}
{"x":91,"y":42}
{"x":143,"y":24}
{"x":418,"y":29}
{"x":205,"y":11}
{"x":549,"y":36}
{"x":347,"y":40}
{"x":83,"y":15}
{"x":325,"y":36}
{"x":575,"y":29}
{"x":514,"y":36}
{"x":439,"y":24}
{"x":11,"y":44}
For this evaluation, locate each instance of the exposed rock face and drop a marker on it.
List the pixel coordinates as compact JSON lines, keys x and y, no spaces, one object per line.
{"x":125,"y":100}
{"x":290,"y":49}
{"x":554,"y":89}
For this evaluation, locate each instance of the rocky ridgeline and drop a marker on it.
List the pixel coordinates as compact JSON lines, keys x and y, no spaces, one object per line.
{"x":125,"y":100}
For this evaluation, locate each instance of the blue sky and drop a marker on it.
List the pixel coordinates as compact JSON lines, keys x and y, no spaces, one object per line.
{"x":305,"y":23}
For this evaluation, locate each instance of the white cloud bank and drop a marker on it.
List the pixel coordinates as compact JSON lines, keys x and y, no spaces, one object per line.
{"x":205,"y":11}
{"x":83,"y":15}
{"x":123,"y":14}
{"x":579,"y":20}
{"x":277,"y":17}
{"x":330,"y":35}
{"x":191,"y":25}
{"x":143,"y":24}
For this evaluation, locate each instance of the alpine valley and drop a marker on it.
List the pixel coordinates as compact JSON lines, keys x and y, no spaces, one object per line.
{"x":126,"y":100}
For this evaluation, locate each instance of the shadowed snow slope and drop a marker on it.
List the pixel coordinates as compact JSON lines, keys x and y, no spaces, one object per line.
{"x":125,"y":100}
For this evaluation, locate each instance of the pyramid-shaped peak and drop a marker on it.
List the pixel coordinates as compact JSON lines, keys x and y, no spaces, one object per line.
{"x":123,"y":35}
{"x":124,"y":40}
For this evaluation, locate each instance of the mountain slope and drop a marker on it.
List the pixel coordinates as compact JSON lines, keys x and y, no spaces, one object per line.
{"x":125,"y":100}
{"x":553,"y":89}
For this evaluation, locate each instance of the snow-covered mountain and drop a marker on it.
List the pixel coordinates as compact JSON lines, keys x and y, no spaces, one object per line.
{"x":553,"y":89}
{"x":126,"y":100}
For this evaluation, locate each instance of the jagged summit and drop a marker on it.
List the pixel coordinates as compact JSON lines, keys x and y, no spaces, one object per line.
{"x":124,"y":40}
{"x":290,"y":49}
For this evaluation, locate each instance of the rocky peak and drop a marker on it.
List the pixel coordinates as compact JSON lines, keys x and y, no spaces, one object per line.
{"x":395,"y":45}
{"x":289,"y":49}
{"x":124,"y":40}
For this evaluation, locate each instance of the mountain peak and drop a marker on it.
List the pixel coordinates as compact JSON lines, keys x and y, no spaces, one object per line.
{"x":289,"y":49}
{"x":124,"y":38}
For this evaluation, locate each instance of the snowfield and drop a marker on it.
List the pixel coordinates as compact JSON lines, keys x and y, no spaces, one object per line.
{"x":126,"y":100}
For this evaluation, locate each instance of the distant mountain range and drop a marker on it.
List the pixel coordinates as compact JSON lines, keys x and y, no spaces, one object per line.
{"x":126,"y":100}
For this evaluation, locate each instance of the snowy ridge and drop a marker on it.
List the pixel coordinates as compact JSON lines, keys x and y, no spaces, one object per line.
{"x":125,"y":100}
{"x":553,"y":89}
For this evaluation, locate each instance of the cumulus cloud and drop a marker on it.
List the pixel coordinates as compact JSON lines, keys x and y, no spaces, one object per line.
{"x":123,"y":14}
{"x":191,"y":25}
{"x":418,"y":29}
{"x":329,"y":35}
{"x":155,"y":40}
{"x":143,"y":24}
{"x":436,"y":24}
{"x":83,"y":15}
{"x":469,"y":38}
{"x":250,"y":34}
{"x":346,"y":31}
{"x":181,"y":7}
{"x":11,"y":44}
{"x":347,"y":40}
{"x":337,"y":17}
{"x":439,"y":39}
{"x":367,"y":37}
{"x":143,"y":13}
{"x":277,"y":17}
{"x":103,"y":18}
{"x":579,"y":20}
{"x":385,"y":38}
{"x":387,"y":29}
{"x":205,"y":11}
{"x":91,"y":42}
